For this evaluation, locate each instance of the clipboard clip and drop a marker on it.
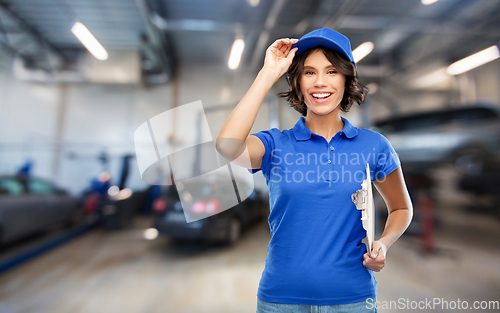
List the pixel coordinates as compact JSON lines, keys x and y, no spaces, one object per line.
{"x":360,"y":199}
{"x":363,"y":199}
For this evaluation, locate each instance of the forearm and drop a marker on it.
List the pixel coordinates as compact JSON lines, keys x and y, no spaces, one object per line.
{"x":397,"y":222}
{"x":241,"y":120}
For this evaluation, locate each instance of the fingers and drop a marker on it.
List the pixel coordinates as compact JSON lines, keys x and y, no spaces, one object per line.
{"x":378,"y":248}
{"x":376,"y":267}
{"x":288,"y":43}
{"x":283,"y":44}
{"x":379,"y":258}
{"x":290,"y":54}
{"x":366,"y":259}
{"x":375,"y":252}
{"x":374,"y":264}
{"x":278,"y":44}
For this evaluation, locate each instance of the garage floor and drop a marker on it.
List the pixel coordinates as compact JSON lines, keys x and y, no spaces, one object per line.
{"x":122,"y":272}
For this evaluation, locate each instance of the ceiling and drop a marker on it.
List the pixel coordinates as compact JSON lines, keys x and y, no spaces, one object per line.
{"x":405,"y":32}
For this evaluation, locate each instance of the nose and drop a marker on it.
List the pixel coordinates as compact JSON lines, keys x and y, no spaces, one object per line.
{"x":320,"y":80}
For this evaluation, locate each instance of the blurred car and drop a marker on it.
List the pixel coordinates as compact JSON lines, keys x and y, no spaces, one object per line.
{"x":225,"y":226}
{"x":119,"y":208}
{"x":30,"y":205}
{"x":483,"y":189}
{"x":468,"y":137}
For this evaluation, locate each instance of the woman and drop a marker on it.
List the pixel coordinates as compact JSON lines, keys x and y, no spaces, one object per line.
{"x":316,"y":256}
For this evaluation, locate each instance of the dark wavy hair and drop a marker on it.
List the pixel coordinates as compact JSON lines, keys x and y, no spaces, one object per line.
{"x":354,"y":91}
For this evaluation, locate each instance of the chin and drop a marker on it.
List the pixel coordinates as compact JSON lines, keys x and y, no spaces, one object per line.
{"x":322,"y":110}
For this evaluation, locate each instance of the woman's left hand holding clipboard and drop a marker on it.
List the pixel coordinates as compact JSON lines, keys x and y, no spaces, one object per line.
{"x":375,"y":261}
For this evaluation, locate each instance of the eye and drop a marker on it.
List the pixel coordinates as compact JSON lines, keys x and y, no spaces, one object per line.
{"x":308,"y":72}
{"x":332,"y":72}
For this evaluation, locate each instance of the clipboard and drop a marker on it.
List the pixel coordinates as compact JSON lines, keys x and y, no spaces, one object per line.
{"x":363,"y":199}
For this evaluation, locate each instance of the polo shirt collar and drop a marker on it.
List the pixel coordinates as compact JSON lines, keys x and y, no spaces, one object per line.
{"x":301,"y":132}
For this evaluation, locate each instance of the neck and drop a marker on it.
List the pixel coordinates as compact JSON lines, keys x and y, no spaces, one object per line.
{"x":324,"y":125}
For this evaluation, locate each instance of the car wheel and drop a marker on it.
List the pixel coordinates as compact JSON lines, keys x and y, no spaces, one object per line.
{"x":76,"y":217}
{"x":233,"y":231}
{"x":176,"y":241}
{"x":470,"y":161}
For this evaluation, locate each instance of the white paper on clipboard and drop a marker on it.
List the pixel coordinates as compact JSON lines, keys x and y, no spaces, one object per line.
{"x":363,"y":199}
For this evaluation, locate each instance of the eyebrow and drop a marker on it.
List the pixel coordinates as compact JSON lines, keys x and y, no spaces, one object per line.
{"x":310,"y":67}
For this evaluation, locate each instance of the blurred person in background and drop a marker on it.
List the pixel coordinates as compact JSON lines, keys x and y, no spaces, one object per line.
{"x":316,"y":255}
{"x":24,"y":173}
{"x":96,"y":193}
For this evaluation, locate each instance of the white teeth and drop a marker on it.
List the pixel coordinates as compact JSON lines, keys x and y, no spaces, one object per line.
{"x":321,"y":95}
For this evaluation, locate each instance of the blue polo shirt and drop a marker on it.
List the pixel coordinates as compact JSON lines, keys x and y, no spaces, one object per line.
{"x":315,"y":255}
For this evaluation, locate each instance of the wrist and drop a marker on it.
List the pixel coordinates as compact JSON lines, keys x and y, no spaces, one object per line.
{"x":270,"y":74}
{"x":384,"y":244}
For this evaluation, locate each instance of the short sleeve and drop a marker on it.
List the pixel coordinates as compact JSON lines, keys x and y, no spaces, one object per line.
{"x":267,"y":138}
{"x":387,"y":159}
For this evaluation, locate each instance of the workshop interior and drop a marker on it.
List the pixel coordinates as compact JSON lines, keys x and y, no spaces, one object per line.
{"x":109,"y":113}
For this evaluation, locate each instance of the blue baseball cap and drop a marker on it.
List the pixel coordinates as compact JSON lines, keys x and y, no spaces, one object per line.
{"x":327,"y":38}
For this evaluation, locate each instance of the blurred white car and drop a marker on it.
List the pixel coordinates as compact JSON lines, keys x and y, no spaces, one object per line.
{"x":468,"y":137}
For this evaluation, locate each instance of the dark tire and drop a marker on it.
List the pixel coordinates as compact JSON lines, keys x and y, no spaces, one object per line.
{"x":470,"y":161}
{"x":175,"y":241}
{"x":233,"y":231}
{"x":1,"y":237}
{"x":76,"y":217}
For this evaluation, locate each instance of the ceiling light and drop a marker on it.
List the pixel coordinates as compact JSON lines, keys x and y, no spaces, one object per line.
{"x":430,"y":80}
{"x":88,"y":40}
{"x":473,"y":61}
{"x":363,"y":50}
{"x":253,"y":3}
{"x":236,"y":52}
{"x":427,"y":2}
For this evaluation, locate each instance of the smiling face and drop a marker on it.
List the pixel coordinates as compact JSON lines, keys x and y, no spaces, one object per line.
{"x":321,"y":84}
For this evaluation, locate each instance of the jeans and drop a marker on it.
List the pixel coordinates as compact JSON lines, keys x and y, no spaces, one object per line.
{"x":356,"y":307}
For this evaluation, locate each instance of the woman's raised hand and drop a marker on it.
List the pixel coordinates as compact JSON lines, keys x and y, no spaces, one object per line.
{"x":279,"y":56}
